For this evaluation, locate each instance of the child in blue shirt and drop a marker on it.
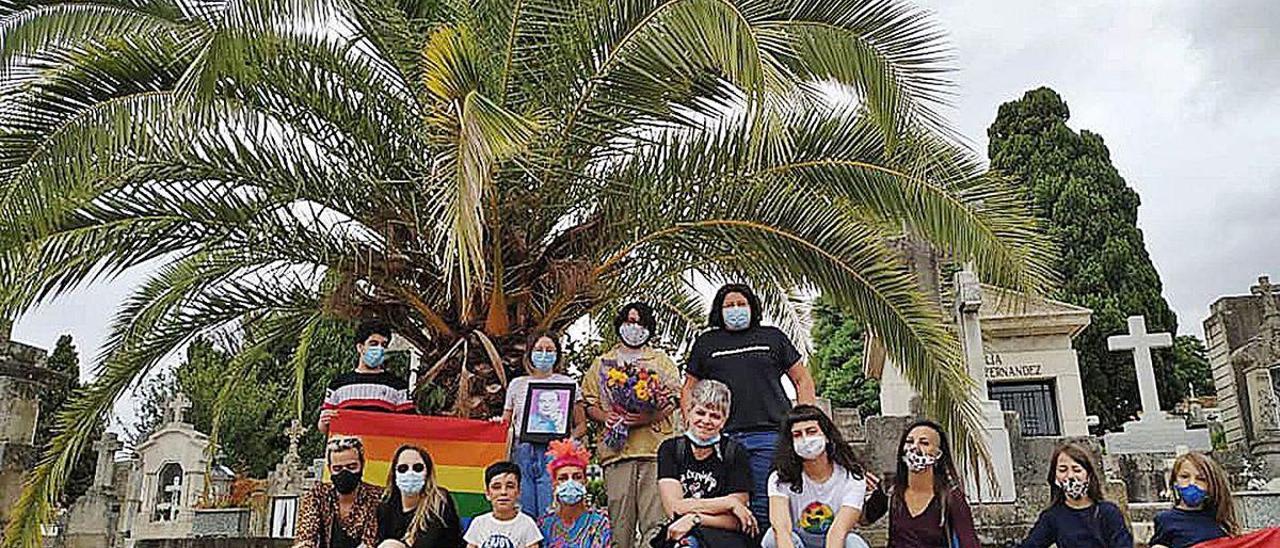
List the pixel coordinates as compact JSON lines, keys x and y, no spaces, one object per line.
{"x":1078,"y":517}
{"x":1203,"y":509}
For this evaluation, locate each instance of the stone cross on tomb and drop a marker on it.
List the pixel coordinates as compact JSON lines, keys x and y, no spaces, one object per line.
{"x":177,"y":406}
{"x":294,"y":432}
{"x":106,"y":446}
{"x":1270,"y":328}
{"x":1141,"y":343}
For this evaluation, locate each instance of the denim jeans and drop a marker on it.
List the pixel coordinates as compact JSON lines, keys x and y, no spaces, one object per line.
{"x":851,"y":541}
{"x":759,"y":447}
{"x":535,"y":481}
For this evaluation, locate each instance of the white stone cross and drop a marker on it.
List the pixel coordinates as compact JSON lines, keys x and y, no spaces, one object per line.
{"x":178,"y":405}
{"x":173,"y":494}
{"x":1141,"y":343}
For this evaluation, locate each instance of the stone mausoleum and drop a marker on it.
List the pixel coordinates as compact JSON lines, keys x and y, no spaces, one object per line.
{"x":22,"y":376}
{"x":1242,"y":334}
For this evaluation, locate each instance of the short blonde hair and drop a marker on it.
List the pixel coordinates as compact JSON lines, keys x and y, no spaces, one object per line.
{"x":712,"y":393}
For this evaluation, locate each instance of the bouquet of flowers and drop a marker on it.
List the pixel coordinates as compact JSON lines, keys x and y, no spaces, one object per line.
{"x":629,"y":389}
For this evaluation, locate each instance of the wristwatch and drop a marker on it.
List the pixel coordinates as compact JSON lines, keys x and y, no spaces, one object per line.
{"x":697,"y":520}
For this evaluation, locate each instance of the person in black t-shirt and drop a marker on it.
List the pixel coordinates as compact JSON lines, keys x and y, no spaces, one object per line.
{"x":369,"y":387}
{"x":751,"y":359}
{"x":704,"y":480}
{"x":415,"y":511}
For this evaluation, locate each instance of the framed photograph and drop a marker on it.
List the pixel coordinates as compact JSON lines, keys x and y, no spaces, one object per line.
{"x":548,"y":411}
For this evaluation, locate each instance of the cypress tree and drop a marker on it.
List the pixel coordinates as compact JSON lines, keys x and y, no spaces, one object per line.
{"x":1092,"y":213}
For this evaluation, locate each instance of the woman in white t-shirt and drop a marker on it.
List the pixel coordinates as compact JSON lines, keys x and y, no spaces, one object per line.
{"x":817,"y":487}
{"x":543,"y":357}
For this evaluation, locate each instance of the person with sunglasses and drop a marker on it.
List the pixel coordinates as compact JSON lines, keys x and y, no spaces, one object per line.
{"x":343,"y":512}
{"x":415,"y":511}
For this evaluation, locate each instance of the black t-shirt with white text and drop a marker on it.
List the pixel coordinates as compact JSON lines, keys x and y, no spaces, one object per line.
{"x":708,"y":478}
{"x":751,"y":362}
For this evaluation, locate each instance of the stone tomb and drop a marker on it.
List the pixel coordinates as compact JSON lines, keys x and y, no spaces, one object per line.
{"x":1027,"y":361}
{"x":1242,"y":334}
{"x":22,"y":374}
{"x":169,"y":478}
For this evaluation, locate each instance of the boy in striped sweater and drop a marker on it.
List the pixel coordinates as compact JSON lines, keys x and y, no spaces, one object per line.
{"x":369,"y":387}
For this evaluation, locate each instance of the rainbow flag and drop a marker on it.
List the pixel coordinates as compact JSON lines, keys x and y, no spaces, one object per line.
{"x":460,"y":449}
{"x":1266,"y":538}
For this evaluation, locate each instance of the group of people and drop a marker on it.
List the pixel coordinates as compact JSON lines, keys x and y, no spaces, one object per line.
{"x":727,"y":461}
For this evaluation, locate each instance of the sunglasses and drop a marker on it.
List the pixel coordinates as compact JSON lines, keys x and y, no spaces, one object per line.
{"x":417,"y":467}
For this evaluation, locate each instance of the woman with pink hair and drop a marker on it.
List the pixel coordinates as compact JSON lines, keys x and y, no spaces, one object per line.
{"x":572,"y":523}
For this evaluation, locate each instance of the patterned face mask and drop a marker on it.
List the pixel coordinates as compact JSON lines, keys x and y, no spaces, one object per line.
{"x":1074,"y":488}
{"x":633,"y":334}
{"x":917,"y":460}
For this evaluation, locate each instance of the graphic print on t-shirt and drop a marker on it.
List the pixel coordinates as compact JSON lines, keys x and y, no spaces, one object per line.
{"x":816,"y":518}
{"x":698,"y":484}
{"x":498,"y":540}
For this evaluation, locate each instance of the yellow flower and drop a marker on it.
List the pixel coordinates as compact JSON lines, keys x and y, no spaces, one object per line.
{"x":616,"y":378}
{"x":642,"y":391}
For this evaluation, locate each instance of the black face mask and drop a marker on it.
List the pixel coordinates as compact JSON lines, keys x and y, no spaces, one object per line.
{"x":346,"y":481}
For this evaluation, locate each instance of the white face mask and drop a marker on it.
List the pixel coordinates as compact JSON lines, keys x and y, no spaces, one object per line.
{"x":810,"y":447}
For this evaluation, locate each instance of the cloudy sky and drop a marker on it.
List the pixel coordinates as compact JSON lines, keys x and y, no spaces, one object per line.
{"x":1183,"y":92}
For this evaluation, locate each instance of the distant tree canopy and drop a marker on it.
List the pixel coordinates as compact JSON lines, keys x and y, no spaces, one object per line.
{"x":64,"y":360}
{"x":261,"y":406}
{"x":1092,"y":214}
{"x":837,"y":359}
{"x":1191,"y":366}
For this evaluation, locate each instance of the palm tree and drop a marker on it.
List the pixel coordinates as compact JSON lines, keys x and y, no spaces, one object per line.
{"x":474,"y":170}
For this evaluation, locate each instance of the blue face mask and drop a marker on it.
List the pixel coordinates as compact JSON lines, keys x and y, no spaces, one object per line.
{"x":411,"y":482}
{"x":701,"y":442}
{"x":1192,"y":495}
{"x":374,"y":355}
{"x":542,"y":360}
{"x":737,"y":318}
{"x":570,"y":492}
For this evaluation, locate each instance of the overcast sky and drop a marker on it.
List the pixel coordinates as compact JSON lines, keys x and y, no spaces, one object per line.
{"x":1185,"y":94}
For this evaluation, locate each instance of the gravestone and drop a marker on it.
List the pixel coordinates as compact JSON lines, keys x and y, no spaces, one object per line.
{"x":1155,"y":432}
{"x":93,"y":519}
{"x":285,"y":486}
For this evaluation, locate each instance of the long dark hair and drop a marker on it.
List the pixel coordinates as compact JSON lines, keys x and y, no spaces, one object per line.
{"x":945,"y":477}
{"x":716,"y":317}
{"x":647,"y":319}
{"x":1084,"y":458}
{"x":790,"y":466}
